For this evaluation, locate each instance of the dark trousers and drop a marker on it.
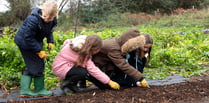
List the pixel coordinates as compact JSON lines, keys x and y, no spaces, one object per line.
{"x":77,"y":73}
{"x":125,"y":80}
{"x":34,"y":64}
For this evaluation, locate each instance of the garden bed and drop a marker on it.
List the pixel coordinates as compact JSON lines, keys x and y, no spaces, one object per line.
{"x":194,"y":90}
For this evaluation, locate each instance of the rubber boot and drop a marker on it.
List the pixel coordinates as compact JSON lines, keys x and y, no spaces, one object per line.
{"x":25,"y":83}
{"x":67,"y":84}
{"x":39,"y":87}
{"x":82,"y":84}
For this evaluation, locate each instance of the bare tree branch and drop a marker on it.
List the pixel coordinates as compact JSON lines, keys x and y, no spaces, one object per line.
{"x":62,"y":4}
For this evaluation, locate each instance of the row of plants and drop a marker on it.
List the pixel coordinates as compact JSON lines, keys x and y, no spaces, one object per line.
{"x":178,"y":49}
{"x":175,"y":51}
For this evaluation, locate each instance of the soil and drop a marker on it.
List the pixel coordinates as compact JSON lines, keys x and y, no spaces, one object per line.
{"x":195,"y":90}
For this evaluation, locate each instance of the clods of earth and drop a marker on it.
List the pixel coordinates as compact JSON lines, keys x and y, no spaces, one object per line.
{"x":173,"y":89}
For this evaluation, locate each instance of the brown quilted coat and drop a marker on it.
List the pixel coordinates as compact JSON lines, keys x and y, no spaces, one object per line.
{"x":111,"y":57}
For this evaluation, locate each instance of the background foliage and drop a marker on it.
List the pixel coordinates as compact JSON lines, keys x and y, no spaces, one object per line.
{"x":179,"y":49}
{"x":181,"y":42}
{"x":85,"y":12}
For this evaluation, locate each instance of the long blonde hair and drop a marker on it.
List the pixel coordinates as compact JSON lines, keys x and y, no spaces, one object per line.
{"x":92,"y":43}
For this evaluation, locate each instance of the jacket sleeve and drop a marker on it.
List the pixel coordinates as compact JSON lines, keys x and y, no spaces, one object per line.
{"x":121,"y":63}
{"x":50,"y":38}
{"x":31,"y":28}
{"x":97,"y":73}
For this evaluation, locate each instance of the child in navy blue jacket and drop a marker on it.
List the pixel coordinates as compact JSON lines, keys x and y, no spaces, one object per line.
{"x":29,"y":38}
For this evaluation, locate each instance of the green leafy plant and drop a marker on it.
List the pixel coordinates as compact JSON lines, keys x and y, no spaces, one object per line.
{"x":180,"y":48}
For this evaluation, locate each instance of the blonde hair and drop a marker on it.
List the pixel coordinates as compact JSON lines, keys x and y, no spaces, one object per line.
{"x":50,"y":8}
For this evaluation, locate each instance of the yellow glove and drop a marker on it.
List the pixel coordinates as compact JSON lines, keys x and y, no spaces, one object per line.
{"x":143,"y":83}
{"x":42,"y":54}
{"x":114,"y":85}
{"x":50,"y":46}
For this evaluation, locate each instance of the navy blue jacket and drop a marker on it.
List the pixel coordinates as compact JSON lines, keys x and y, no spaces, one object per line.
{"x":33,"y":30}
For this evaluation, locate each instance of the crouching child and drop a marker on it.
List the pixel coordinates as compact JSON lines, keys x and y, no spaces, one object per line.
{"x":73,"y":64}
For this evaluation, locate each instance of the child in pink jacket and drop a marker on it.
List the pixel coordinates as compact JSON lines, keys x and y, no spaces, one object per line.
{"x":73,"y":64}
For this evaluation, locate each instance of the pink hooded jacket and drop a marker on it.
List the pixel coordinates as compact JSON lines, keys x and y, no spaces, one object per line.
{"x":65,"y":59}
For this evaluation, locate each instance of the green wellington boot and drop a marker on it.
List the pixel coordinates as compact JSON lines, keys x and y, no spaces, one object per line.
{"x":25,"y":83}
{"x":39,"y":87}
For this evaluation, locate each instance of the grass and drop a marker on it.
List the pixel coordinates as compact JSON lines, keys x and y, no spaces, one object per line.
{"x":180,"y":47}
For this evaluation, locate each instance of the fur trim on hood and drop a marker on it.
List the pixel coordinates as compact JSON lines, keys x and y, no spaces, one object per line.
{"x":77,"y":43}
{"x":133,"y":44}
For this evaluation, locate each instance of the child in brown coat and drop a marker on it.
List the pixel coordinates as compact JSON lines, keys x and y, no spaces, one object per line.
{"x":112,"y":58}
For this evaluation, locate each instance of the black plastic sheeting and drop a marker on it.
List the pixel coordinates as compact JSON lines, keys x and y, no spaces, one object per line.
{"x":167,"y":81}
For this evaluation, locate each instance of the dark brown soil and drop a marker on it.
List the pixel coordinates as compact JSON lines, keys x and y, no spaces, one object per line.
{"x":196,"y":90}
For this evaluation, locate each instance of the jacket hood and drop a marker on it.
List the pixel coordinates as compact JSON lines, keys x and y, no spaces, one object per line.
{"x":133,"y":44}
{"x":131,"y":33}
{"x":130,"y":40}
{"x":36,"y":11}
{"x":77,"y":43}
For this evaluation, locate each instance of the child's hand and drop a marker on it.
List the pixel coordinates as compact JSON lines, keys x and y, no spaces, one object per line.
{"x":42,"y":54}
{"x":114,"y":85}
{"x":142,"y":83}
{"x":50,"y":46}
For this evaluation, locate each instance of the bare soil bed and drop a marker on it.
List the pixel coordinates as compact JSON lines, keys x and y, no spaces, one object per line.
{"x":196,"y":90}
